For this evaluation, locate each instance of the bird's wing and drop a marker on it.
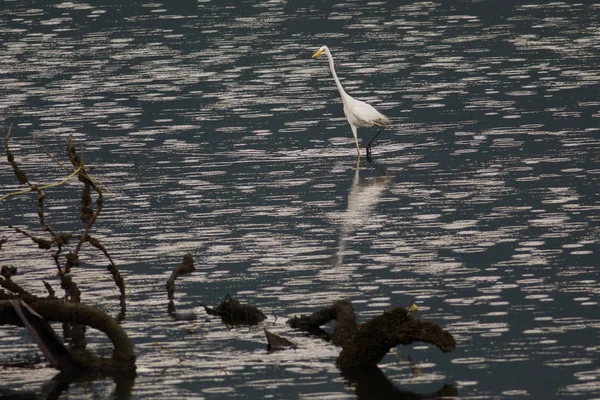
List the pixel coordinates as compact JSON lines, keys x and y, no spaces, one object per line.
{"x":361,"y":119}
{"x":368,"y":116}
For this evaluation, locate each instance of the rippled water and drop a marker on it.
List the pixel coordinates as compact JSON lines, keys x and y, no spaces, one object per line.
{"x":219,"y":135}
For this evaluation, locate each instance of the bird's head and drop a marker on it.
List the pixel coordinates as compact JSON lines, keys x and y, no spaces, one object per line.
{"x":322,"y":50}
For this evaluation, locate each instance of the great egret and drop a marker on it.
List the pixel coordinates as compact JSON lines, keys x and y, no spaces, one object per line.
{"x":358,"y":113}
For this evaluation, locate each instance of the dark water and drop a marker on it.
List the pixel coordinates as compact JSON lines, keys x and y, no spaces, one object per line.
{"x":219,"y":136}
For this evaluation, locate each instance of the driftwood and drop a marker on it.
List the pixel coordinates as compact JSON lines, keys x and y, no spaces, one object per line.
{"x":232,"y":312}
{"x":276,"y":342}
{"x":21,"y":308}
{"x":45,"y":337}
{"x":366,"y":344}
{"x":186,"y":267}
{"x":123,"y":357}
{"x":59,"y":241}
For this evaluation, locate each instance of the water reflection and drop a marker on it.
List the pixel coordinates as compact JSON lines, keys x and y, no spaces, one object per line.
{"x":59,"y":385}
{"x":364,"y":194}
{"x":371,"y":383}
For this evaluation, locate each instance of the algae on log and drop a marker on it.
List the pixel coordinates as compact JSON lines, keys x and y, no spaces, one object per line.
{"x":366,"y":344}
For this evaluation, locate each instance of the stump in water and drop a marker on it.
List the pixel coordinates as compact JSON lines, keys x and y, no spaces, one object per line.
{"x":186,"y":267}
{"x":366,"y":344}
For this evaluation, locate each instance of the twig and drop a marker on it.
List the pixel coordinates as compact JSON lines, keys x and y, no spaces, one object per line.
{"x":169,"y":351}
{"x":15,"y":288}
{"x":52,"y":156}
{"x":186,"y":267}
{"x":35,"y":188}
{"x":51,"y":293}
{"x":21,"y":175}
{"x":76,"y":160}
{"x":112,"y":268}
{"x":42,"y":243}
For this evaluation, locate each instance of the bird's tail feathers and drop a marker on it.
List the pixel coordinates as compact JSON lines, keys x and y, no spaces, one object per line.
{"x":383,"y":122}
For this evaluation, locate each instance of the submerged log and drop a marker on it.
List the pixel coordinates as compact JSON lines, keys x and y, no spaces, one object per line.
{"x":341,"y":311}
{"x":366,"y":344}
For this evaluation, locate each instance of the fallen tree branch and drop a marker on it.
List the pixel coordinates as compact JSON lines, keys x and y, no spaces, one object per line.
{"x":186,"y":267}
{"x":123,"y":357}
{"x":45,"y":337}
{"x":366,"y":344}
{"x":114,"y":271}
{"x":232,"y":312}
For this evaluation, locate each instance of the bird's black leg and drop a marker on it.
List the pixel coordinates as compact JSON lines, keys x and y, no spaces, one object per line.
{"x":371,"y":141}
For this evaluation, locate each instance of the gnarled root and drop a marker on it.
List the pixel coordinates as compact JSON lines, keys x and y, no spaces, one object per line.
{"x":123,"y":357}
{"x":366,"y":344}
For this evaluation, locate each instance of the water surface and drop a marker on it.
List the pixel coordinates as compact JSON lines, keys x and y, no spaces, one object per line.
{"x":219,"y":136}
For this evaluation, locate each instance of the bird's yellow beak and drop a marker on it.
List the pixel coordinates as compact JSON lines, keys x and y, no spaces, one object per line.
{"x":318,"y":53}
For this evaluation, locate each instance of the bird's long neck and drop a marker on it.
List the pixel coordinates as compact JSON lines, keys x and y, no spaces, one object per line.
{"x":335,"y":77}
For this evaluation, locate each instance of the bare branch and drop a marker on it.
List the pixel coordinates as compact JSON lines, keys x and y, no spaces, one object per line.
{"x":21,"y":175}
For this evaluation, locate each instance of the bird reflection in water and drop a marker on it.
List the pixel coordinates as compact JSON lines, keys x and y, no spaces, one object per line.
{"x":364,"y":194}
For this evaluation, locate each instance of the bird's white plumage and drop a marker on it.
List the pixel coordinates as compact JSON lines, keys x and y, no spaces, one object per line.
{"x":358,"y":113}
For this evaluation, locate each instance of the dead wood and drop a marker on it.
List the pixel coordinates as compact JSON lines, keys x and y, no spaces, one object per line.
{"x":186,"y":267}
{"x":123,"y":357}
{"x":366,"y":344}
{"x":232,"y":312}
{"x":276,"y":342}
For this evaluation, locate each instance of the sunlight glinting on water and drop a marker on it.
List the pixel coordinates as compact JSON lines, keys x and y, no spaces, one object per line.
{"x":219,"y":136}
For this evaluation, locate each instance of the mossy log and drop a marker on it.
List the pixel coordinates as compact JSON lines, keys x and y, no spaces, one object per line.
{"x":368,"y":343}
{"x":123,"y":357}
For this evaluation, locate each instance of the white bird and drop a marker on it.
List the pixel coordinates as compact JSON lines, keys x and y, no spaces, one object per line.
{"x":358,"y":113}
